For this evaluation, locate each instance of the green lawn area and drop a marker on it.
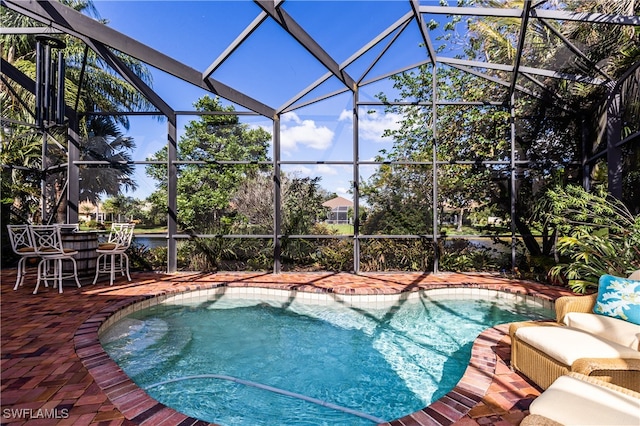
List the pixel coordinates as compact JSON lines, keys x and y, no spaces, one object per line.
{"x":452,"y":231}
{"x":343,"y":229}
{"x":143,"y":229}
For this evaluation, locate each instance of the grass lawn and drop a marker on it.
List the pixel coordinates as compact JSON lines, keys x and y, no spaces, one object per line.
{"x":343,"y":229}
{"x":143,"y":229}
{"x":452,"y":231}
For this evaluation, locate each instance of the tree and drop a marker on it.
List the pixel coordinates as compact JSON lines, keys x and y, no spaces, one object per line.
{"x":205,"y":189}
{"x":302,"y":199}
{"x":156,"y":209}
{"x":546,"y":129}
{"x":19,"y":184}
{"x":301,"y":207}
{"x":106,"y":143}
{"x":86,"y":209}
{"x":546,"y":132}
{"x":122,"y":208}
{"x":400,"y":201}
{"x":401,"y":196}
{"x":253,"y":202}
{"x":102,"y":89}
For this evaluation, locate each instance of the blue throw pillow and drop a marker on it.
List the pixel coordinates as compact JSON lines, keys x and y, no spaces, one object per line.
{"x":618,"y":298}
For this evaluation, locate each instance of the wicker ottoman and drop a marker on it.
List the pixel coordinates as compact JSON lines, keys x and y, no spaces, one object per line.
{"x":576,"y":399}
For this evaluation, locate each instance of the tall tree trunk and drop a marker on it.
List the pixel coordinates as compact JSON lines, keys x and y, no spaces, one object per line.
{"x":523,"y":229}
{"x":527,"y":238}
{"x":61,"y":200}
{"x":460,"y":218}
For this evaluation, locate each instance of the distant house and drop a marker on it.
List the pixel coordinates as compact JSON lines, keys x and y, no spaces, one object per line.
{"x":89,"y":211}
{"x":339,"y":208}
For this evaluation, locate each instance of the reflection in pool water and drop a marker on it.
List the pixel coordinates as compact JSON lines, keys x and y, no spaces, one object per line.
{"x":377,"y":362}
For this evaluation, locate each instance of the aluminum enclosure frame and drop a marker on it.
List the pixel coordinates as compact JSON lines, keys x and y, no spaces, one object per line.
{"x":102,"y":40}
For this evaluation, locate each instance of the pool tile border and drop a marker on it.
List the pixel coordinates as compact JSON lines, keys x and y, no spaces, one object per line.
{"x":139,"y":407}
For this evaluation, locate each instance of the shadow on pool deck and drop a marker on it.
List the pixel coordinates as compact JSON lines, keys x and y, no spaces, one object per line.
{"x":54,"y":370}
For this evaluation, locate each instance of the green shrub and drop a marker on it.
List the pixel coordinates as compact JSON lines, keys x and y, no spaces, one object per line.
{"x":204,"y":254}
{"x":460,"y":255}
{"x":396,"y":255}
{"x":91,"y":224}
{"x":335,"y":255}
{"x":143,"y":258}
{"x":598,"y":235}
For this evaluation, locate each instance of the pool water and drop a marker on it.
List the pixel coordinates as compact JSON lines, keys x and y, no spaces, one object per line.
{"x":219,"y":359}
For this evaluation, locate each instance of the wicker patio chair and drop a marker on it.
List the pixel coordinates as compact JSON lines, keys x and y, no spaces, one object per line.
{"x":543,"y":367}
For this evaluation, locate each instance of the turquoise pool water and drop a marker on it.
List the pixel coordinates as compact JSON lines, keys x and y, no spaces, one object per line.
{"x":277,"y":360}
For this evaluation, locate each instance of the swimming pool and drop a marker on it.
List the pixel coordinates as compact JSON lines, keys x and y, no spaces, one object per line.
{"x":224,"y":356}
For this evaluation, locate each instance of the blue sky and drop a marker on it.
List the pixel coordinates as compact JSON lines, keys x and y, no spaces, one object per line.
{"x":272,"y":67}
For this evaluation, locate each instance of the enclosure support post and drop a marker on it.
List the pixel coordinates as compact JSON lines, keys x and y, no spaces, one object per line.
{"x":172,"y":192}
{"x":73,"y":171}
{"x":38,"y":86}
{"x":512,"y":180}
{"x":356,"y":185}
{"x":614,"y":136}
{"x":277,"y":198}
{"x":434,"y":203}
{"x":43,"y":180}
{"x":586,"y":152}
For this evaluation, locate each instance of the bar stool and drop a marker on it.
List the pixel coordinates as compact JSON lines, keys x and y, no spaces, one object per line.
{"x":112,"y":253}
{"x":22,"y":245}
{"x":48,"y":245}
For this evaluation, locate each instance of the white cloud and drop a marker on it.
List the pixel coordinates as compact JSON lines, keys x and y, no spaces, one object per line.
{"x":343,"y":192}
{"x":298,"y":169}
{"x":373,"y":124}
{"x":295,"y":132}
{"x":325,"y":169}
{"x":290,"y":117}
{"x":346,"y":115}
{"x":266,"y":127}
{"x":366,"y":170}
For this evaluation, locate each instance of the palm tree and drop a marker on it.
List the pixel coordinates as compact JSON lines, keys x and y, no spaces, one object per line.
{"x":86,"y":209}
{"x":20,"y":158}
{"x":101,"y":89}
{"x":490,"y":36}
{"x":106,"y":143}
{"x":602,"y":40}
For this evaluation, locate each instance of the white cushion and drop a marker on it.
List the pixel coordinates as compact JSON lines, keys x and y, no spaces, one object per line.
{"x":635,"y":275}
{"x":620,"y":331}
{"x":566,"y":344}
{"x":571,"y":401}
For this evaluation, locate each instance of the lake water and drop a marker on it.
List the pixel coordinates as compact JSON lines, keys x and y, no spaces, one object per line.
{"x":161,"y":241}
{"x":151,"y":242}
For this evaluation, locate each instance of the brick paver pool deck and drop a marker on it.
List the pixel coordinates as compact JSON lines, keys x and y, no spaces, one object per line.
{"x":53,"y":364}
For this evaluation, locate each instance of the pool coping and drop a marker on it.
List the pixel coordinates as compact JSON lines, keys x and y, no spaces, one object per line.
{"x":136,"y":405}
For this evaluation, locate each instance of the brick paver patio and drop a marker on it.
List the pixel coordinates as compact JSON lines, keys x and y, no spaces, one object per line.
{"x":54,"y":366}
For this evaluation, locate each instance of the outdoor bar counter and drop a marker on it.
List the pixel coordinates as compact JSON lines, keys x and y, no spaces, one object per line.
{"x":86,"y":243}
